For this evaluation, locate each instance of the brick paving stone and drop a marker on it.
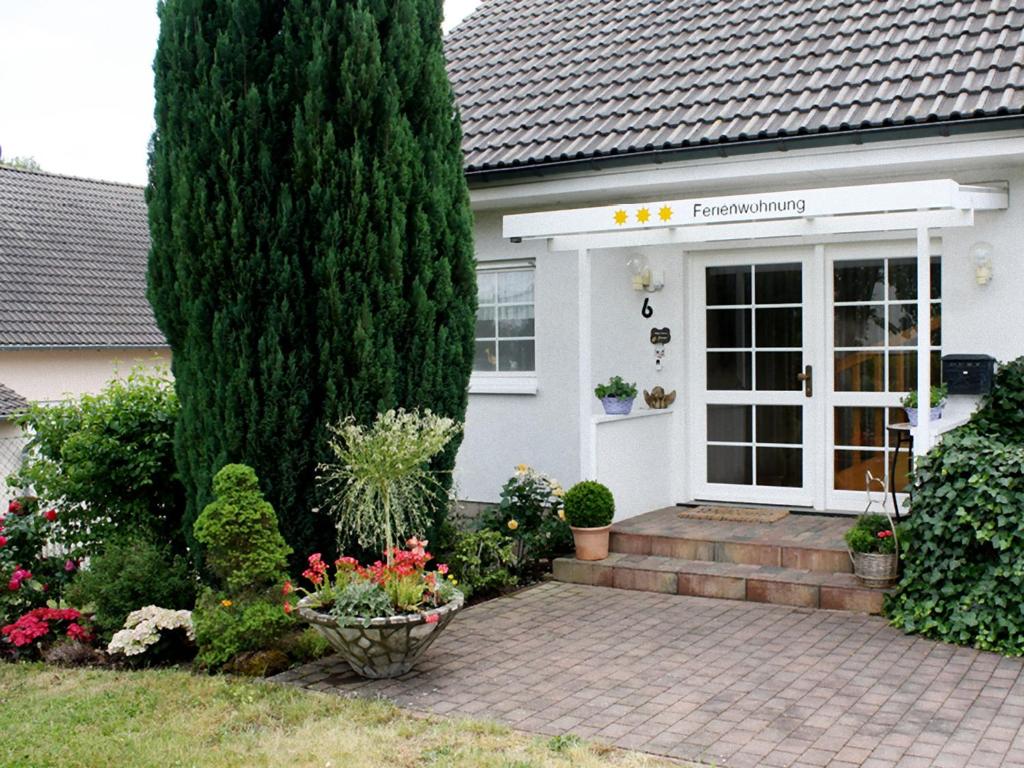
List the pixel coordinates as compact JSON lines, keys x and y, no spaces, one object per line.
{"x":700,"y":679}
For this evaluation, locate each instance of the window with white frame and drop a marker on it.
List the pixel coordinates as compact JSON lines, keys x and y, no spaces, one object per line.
{"x":505,"y":340}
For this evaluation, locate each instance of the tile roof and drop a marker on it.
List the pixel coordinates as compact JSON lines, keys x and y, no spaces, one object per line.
{"x":10,"y":402}
{"x":542,"y":81}
{"x":73,"y":263}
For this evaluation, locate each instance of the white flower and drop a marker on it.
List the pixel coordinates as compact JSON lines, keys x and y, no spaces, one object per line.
{"x":142,"y":629}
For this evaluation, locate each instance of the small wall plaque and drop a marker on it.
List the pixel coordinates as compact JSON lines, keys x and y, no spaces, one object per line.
{"x":660,"y":335}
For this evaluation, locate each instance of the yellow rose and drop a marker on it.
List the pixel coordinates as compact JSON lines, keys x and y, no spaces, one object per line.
{"x":561,"y":514}
{"x":558,"y":491}
{"x":226,"y":603}
{"x":522,"y":469}
{"x":512,"y":525}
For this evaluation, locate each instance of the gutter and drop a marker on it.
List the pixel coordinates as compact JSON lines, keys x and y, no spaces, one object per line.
{"x":739,"y":147}
{"x":43,"y":347}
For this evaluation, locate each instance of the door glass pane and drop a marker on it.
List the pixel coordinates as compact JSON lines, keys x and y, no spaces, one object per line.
{"x":859,"y":280}
{"x":727,"y":285}
{"x":860,"y":326}
{"x":902,"y":325}
{"x":780,"y":424}
{"x":903,"y":370}
{"x":778,"y":371}
{"x":780,"y":467}
{"x":860,"y":372}
{"x":729,"y":370}
{"x":515,"y":355}
{"x":730,"y":423}
{"x":860,"y":426}
{"x":780,"y":327}
{"x":903,"y":279}
{"x":851,"y":466}
{"x":936,"y":325}
{"x":728,"y":328}
{"x":730,"y":464}
{"x":778,"y":284}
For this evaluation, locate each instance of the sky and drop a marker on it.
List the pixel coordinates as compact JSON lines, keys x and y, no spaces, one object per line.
{"x":76,"y":83}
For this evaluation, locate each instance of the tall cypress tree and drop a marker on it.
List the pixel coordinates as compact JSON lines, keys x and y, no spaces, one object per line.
{"x":312,"y":239}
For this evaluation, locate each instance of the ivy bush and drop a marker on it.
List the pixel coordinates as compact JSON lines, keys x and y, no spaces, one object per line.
{"x":963,"y":543}
{"x":1001,"y":413}
{"x":244,"y":609}
{"x":106,"y":463}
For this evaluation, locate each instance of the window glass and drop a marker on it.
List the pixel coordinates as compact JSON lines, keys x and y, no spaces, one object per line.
{"x":505,"y":328}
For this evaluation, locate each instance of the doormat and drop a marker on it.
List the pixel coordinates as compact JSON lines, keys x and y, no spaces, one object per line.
{"x":733,"y":514}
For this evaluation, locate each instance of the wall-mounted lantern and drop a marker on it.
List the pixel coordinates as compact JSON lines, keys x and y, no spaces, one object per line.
{"x":981,"y":257}
{"x":643,"y":277}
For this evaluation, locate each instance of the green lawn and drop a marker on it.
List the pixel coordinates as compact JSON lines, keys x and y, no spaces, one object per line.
{"x":76,"y":718}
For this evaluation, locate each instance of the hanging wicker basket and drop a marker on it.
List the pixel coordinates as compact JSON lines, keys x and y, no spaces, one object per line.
{"x":875,"y":570}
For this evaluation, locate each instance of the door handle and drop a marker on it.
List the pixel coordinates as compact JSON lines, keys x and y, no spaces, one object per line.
{"x":807,"y":377}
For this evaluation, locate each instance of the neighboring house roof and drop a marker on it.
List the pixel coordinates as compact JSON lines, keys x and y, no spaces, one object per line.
{"x":73,"y":263}
{"x":11,"y":402}
{"x":550,"y":81}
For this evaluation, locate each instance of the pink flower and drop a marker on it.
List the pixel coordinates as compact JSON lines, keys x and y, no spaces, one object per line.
{"x":51,"y":515}
{"x":431,"y":618}
{"x":317,"y":569}
{"x":3,"y":541}
{"x":442,"y":568}
{"x":70,"y":565}
{"x":80,"y":633}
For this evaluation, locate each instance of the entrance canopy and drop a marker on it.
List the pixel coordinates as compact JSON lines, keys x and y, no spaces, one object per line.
{"x":900,"y":206}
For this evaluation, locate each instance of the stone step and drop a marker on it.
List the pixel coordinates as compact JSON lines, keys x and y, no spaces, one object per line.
{"x":730,"y":581}
{"x":804,"y":556}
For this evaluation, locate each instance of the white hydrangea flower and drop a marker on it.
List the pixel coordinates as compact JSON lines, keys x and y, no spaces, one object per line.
{"x":142,"y":629}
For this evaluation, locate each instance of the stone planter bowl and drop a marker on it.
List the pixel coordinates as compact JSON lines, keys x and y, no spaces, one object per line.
{"x":390,"y":645}
{"x":615,"y":406}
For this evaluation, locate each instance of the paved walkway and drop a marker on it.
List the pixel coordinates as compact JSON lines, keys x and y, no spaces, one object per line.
{"x":731,"y":683}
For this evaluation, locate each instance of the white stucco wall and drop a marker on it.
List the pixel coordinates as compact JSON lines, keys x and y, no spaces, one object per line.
{"x":542,"y":429}
{"x":53,"y":374}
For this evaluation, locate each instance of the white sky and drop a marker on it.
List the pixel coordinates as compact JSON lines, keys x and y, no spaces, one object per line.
{"x":76,"y":83}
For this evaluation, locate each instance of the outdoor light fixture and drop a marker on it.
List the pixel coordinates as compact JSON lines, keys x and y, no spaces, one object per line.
{"x":981,"y":255}
{"x":643,"y":279}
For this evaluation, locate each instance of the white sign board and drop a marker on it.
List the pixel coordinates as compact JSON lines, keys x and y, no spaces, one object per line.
{"x":942,"y":194}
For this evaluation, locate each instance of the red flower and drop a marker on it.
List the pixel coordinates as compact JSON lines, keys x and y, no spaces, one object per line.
{"x":317,"y":569}
{"x":288,"y":608}
{"x":14,"y":507}
{"x":3,"y":541}
{"x":431,"y":618}
{"x":287,"y":589}
{"x":51,"y":515}
{"x":80,"y":633}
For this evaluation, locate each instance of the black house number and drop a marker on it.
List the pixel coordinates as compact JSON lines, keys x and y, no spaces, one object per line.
{"x":647,"y":310}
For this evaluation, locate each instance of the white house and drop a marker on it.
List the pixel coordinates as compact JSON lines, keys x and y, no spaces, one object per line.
{"x":793,"y":183}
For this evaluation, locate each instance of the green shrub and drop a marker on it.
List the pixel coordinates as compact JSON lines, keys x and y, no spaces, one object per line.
{"x":128,"y":574}
{"x":244,"y":547}
{"x":359,"y":601}
{"x":231,"y":624}
{"x":530,"y":513}
{"x":872,"y":534}
{"x":963,"y":552}
{"x":106,"y":462}
{"x":482,"y":562}
{"x":589,"y":504}
{"x":248,"y":557}
{"x":1001,"y":414}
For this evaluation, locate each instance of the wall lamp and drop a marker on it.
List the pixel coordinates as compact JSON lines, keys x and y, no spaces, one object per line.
{"x":643,"y":278}
{"x":981,"y":256}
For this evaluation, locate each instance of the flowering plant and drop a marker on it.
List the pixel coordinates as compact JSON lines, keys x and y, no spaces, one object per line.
{"x":398,"y":585}
{"x":531,"y":513}
{"x":872,"y":534}
{"x":41,"y":626}
{"x":157,"y":633}
{"x":380,"y":487}
{"x":29,"y":576}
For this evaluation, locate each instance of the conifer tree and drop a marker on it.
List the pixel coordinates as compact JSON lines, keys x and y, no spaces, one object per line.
{"x":311,"y":234}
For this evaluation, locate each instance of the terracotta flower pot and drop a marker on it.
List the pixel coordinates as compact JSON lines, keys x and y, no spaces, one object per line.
{"x":591,"y":543}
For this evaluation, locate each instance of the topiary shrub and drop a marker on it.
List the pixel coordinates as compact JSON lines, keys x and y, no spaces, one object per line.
{"x":244,"y":547}
{"x":589,"y":504}
{"x":247,"y":556}
{"x":1001,"y":413}
{"x":962,"y":546}
{"x":129,"y":573}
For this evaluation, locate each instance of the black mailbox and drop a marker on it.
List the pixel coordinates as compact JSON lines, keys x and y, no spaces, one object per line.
{"x":968,"y":374}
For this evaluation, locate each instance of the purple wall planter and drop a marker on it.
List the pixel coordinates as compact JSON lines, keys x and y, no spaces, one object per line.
{"x":935,"y":414}
{"x":614,"y":406}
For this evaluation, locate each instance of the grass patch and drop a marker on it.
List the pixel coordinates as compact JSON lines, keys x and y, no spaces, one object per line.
{"x":169,"y":718}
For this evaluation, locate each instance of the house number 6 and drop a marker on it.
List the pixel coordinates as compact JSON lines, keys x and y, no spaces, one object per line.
{"x":647,"y":310}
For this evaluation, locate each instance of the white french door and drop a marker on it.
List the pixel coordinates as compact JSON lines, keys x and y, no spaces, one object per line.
{"x":757,"y":428}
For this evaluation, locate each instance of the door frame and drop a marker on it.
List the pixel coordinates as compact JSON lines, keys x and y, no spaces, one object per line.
{"x":813,"y":492}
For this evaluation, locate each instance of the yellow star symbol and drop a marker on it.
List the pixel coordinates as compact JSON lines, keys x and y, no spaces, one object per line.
{"x":665,"y":213}
{"x":620,"y":217}
{"x":643,"y":215}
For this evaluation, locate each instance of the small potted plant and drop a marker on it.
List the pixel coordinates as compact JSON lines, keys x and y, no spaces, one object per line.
{"x":589,"y":509}
{"x":937,"y":403}
{"x":873,"y":549}
{"x":616,"y":396}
